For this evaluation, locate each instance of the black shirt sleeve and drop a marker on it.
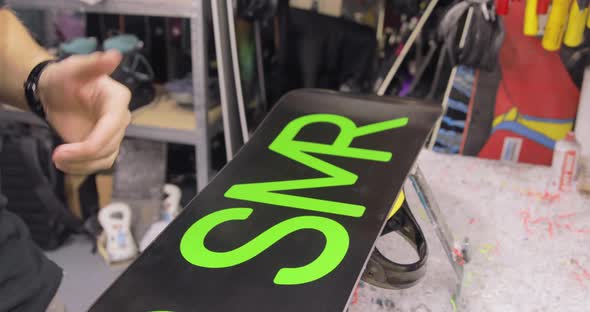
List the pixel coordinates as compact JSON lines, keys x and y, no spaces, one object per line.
{"x":28,"y":279}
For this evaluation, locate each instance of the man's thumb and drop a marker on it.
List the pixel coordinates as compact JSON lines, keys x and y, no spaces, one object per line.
{"x":98,"y":63}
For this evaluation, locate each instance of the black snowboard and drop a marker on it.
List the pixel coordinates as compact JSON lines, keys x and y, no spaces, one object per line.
{"x":289,"y":223}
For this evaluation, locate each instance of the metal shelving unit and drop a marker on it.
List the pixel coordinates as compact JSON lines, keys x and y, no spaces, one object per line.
{"x":171,"y":8}
{"x":161,"y":134}
{"x":197,"y":11}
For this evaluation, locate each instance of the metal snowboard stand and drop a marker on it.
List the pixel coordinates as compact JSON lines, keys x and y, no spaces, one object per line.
{"x":441,"y":228}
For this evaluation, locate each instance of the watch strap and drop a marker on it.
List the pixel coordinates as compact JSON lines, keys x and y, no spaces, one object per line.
{"x":31,"y":86}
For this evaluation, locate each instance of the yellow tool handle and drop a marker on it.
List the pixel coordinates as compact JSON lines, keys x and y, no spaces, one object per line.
{"x":588,"y":22}
{"x":556,"y":23}
{"x":531,"y":25}
{"x":574,"y":35}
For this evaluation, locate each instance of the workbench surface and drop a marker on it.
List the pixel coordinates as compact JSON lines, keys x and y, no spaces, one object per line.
{"x":529,"y":251}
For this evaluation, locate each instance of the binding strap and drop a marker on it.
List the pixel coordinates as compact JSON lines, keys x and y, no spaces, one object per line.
{"x":384,"y":273}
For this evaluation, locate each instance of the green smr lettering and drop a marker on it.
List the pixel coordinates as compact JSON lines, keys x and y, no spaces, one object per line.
{"x":299,"y":151}
{"x":192,"y":245}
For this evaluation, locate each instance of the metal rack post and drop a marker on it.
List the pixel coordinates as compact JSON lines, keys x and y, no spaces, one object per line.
{"x":441,"y":228}
{"x":234,"y":138}
{"x":200,"y":91}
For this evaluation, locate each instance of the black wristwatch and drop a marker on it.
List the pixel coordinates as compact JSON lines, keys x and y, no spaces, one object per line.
{"x":31,"y":88}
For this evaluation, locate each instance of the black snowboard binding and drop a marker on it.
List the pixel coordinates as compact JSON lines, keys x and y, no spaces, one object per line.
{"x":385,"y":273}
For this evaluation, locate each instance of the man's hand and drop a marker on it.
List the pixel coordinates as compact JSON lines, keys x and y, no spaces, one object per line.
{"x":87,"y":108}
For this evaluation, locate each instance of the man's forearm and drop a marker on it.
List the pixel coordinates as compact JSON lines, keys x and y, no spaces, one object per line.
{"x":19,"y":53}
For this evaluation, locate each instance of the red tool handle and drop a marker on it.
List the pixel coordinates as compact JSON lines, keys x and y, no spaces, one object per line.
{"x":543,"y":6}
{"x":502,"y":7}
